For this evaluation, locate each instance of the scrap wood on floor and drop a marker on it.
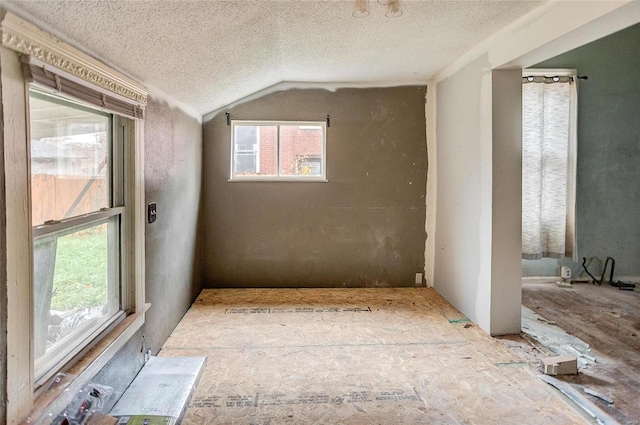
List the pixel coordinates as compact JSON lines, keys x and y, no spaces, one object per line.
{"x":353,"y":356}
{"x":598,"y":324}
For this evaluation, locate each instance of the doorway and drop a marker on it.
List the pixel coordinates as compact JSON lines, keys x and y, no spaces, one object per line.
{"x":597,"y":323}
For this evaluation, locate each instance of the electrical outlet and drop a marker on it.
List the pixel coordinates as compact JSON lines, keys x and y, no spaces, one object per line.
{"x":418,"y":278}
{"x":565,"y":272}
{"x":152,"y":212}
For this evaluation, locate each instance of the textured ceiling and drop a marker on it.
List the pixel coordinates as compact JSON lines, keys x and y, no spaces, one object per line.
{"x":207,"y":54}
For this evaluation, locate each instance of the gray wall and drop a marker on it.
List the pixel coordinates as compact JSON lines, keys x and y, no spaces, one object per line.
{"x":608,"y":199}
{"x":364,"y":227}
{"x":173,"y":158}
{"x":173,"y":177}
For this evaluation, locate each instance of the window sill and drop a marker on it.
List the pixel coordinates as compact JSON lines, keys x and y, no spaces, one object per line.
{"x":94,"y":359}
{"x":278,"y":179}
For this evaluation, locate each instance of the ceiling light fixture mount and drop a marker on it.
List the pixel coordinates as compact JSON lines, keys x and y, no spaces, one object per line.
{"x":361,"y":9}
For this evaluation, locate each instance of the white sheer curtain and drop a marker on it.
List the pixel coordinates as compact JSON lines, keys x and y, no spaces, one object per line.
{"x":548,"y":168}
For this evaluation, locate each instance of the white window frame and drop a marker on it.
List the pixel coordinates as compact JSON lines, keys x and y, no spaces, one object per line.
{"x":20,"y":37}
{"x":289,"y":178}
{"x":119,"y":135}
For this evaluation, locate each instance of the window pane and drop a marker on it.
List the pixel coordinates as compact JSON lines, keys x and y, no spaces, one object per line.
{"x":69,"y":159}
{"x":255,"y":150}
{"x":301,"y":150}
{"x":76,"y":288}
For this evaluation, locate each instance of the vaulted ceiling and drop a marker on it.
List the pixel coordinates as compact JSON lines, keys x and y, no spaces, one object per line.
{"x":208,"y":54}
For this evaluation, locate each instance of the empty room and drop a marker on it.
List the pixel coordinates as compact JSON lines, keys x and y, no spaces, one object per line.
{"x":310,"y":212}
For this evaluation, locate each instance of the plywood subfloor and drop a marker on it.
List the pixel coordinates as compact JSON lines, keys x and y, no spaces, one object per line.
{"x":353,"y":356}
{"x":608,"y":321}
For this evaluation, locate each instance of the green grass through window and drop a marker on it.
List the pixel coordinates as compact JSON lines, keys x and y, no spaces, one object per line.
{"x":81,"y":274}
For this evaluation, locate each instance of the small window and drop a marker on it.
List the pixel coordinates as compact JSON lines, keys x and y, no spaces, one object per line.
{"x":266,"y":150}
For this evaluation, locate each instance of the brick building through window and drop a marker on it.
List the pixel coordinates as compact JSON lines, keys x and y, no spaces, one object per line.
{"x":278,"y":149}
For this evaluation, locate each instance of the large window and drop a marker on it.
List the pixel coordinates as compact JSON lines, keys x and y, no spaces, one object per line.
{"x":549,"y":147}
{"x":74,"y":212}
{"x":265,"y":150}
{"x":77,"y":200}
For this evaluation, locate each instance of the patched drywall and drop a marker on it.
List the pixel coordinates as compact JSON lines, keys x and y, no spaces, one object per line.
{"x":608,"y":154}
{"x":364,"y":227}
{"x":477,"y":247}
{"x":173,"y":164}
{"x":462,"y":269}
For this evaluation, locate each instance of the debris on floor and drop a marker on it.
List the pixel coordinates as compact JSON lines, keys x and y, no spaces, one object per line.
{"x":583,"y":355}
{"x":161,"y":392}
{"x":80,"y":402}
{"x":598,"y":395}
{"x":543,"y":320}
{"x":557,"y":342}
{"x":591,"y":409}
{"x":560,"y":365}
{"x":101,"y":419}
{"x":597,"y":325}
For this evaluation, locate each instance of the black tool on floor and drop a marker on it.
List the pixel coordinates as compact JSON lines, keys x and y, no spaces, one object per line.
{"x":618,"y":284}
